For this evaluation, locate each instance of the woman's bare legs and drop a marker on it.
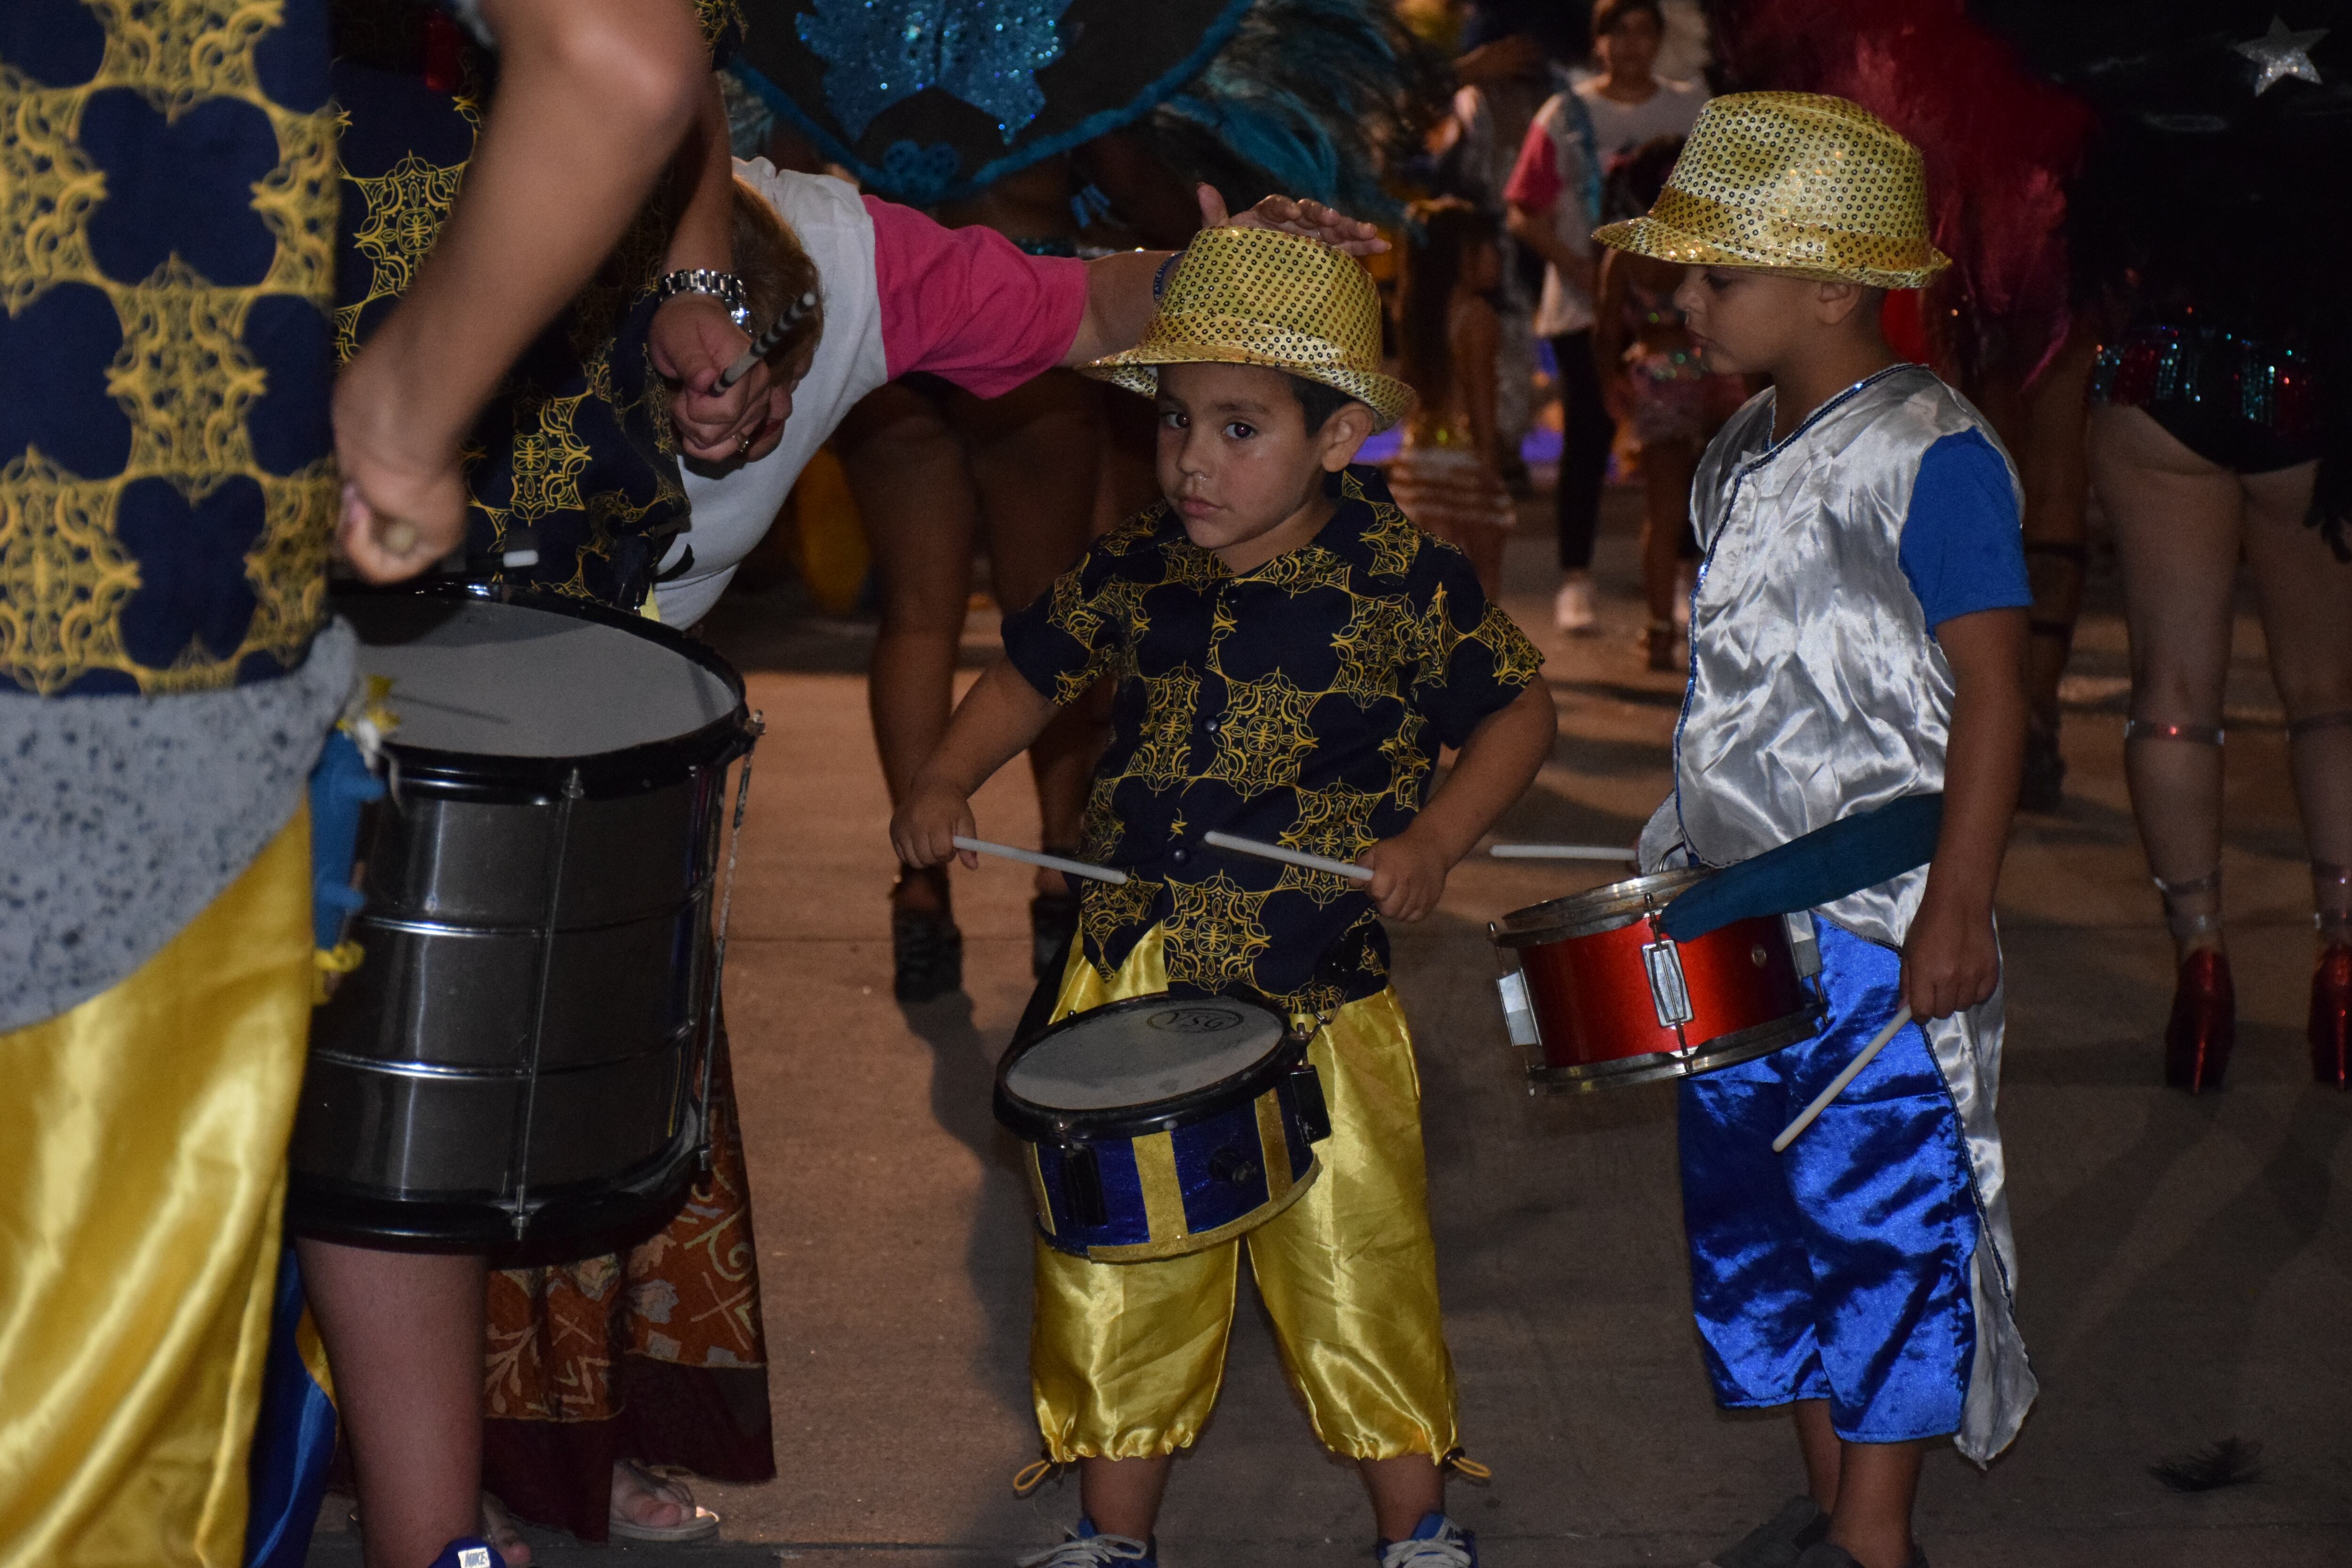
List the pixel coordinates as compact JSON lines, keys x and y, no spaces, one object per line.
{"x":2306,"y":598}
{"x":907,"y":469}
{"x":2179,"y":521}
{"x":2054,"y":465}
{"x":1036,"y":461}
{"x":403,"y":1332}
{"x":1666,"y":470}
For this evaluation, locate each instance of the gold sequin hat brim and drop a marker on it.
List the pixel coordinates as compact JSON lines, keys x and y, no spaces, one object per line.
{"x":1802,"y":183}
{"x":1257,"y":296}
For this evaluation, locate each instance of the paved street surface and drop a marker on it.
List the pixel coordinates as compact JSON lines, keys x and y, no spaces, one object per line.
{"x":2186,"y":1271}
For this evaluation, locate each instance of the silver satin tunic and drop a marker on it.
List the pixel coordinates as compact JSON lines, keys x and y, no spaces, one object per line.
{"x":1818,"y":691}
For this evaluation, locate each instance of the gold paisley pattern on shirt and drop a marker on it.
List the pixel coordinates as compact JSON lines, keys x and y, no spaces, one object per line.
{"x":1214,"y":931}
{"x":181,"y":377}
{"x":1294,"y":703}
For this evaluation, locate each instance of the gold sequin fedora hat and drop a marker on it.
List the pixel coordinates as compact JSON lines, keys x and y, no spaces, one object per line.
{"x":1798,"y":182}
{"x":1257,"y":296}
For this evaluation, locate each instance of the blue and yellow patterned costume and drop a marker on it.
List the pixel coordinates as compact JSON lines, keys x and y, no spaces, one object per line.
{"x":1303,"y":702}
{"x":167,"y":211}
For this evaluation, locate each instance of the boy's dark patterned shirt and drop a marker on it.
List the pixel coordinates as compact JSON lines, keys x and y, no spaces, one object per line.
{"x":1300,"y":704}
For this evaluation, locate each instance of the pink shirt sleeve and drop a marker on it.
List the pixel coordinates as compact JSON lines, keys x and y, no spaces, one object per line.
{"x":1535,"y":182}
{"x":966,"y":304}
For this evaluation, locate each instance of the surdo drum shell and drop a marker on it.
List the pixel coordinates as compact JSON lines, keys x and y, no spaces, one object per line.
{"x":1164,"y":1125}
{"x":522,"y":1054}
{"x":1599,"y":997}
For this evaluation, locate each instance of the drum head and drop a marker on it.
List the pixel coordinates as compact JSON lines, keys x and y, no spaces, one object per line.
{"x":1138,"y":1053}
{"x":489,"y":678}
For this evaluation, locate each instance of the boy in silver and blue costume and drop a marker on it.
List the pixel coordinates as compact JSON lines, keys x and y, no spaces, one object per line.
{"x":1857,"y":637}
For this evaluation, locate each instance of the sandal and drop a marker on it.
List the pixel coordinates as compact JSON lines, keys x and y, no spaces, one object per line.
{"x":925,"y":948}
{"x":699,"y":1525}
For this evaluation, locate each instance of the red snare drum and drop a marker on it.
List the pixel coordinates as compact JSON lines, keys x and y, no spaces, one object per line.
{"x":1601,"y":996}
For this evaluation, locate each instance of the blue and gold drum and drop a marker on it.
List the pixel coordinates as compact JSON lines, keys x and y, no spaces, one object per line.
{"x":1164,"y":1125}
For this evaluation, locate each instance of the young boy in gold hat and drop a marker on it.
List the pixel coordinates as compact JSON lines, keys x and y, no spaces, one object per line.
{"x":1290,"y":653}
{"x":1857,"y":635}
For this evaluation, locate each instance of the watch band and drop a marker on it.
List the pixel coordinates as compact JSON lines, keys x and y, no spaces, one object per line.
{"x":723,"y":287}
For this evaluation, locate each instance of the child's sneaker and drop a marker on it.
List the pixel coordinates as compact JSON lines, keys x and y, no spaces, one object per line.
{"x":1438,"y":1543}
{"x":1086,"y":1549}
{"x":1779,"y":1540}
{"x":469,"y":1551}
{"x":1573,"y":611}
{"x":1825,"y":1555}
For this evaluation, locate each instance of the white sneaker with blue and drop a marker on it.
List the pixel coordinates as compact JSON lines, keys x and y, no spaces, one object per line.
{"x":1087,"y":1549}
{"x":1437,"y":1542}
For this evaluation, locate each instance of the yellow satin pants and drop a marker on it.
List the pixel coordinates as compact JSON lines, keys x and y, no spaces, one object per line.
{"x":142,"y":1173}
{"x":1124,"y":1358}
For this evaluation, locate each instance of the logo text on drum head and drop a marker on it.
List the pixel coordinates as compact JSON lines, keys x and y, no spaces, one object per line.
{"x":1195,"y":1020}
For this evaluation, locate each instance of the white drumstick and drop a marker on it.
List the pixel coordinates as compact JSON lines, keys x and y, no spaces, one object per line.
{"x":1837,"y":1085}
{"x":1290,"y":856}
{"x":1050,"y":862}
{"x":1558,"y":852}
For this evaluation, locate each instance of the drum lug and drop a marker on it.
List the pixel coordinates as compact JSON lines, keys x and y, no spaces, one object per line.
{"x":1803,"y":945}
{"x":1518,"y":1013}
{"x":1668,"y":990}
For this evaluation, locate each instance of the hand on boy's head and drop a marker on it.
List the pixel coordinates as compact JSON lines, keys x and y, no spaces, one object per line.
{"x":1311,"y":218}
{"x":924,"y":828}
{"x":1951,"y":957}
{"x":1408,"y":875}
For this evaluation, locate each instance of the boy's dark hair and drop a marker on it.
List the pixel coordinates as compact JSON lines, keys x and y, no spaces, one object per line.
{"x":1317,"y":400}
{"x":1607,"y":14}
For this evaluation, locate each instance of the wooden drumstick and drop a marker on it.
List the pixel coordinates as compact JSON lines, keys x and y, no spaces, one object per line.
{"x":1290,"y":856}
{"x":1837,"y":1085}
{"x":1560,"y":852}
{"x":1050,"y":862}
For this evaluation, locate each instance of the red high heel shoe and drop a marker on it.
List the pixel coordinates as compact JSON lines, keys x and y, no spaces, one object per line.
{"x":2204,"y":1022}
{"x":2331,"y":1018}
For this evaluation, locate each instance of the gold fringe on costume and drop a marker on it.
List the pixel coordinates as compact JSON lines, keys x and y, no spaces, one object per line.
{"x":142,"y":1175}
{"x":1126,"y":1359}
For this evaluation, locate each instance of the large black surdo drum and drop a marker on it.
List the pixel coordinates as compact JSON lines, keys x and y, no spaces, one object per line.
{"x":522,"y":1053}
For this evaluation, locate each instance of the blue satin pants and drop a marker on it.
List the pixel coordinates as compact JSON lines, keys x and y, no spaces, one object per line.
{"x":1838,"y":1270}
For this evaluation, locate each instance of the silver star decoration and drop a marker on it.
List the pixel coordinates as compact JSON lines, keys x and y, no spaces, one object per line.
{"x":2281,"y":54}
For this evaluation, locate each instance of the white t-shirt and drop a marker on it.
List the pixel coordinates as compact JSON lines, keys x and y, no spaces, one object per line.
{"x":733,"y":507}
{"x":902,"y":294}
{"x":1551,"y":175}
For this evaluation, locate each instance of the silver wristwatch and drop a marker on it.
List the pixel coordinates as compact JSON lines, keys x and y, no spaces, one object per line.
{"x":723,"y":287}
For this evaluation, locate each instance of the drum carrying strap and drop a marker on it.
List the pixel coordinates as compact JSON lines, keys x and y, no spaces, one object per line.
{"x":1821,"y":867}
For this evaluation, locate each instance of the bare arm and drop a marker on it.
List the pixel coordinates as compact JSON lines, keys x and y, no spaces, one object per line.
{"x":593,"y":96}
{"x":1608,"y":318}
{"x":1951,"y":959}
{"x":1119,"y":288}
{"x":694,"y":340}
{"x":994,"y":723}
{"x":1534,"y":229}
{"x":1494,"y":767}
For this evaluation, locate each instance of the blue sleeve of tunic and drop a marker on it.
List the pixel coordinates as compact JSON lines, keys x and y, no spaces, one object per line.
{"x":1963,"y":547}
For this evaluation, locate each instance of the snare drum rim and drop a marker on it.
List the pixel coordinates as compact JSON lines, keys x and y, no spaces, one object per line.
{"x":630,"y":770}
{"x":1046,"y":1124}
{"x":1658,"y":1067}
{"x":1596,"y":910}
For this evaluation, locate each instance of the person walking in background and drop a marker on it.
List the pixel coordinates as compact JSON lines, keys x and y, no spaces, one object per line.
{"x":1448,"y":475}
{"x":1555,"y":200}
{"x":1653,"y":382}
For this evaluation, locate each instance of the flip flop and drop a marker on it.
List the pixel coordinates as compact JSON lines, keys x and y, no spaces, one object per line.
{"x":700,"y":1523}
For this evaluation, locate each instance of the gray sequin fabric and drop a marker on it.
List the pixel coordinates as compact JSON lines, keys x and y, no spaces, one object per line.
{"x":124,"y":817}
